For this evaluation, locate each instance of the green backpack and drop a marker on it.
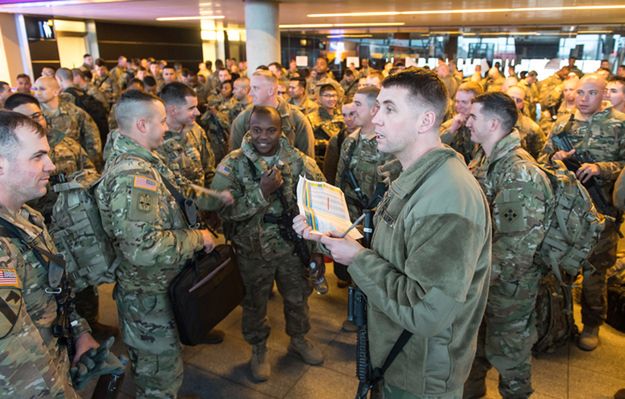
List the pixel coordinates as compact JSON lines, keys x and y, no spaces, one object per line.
{"x":571,"y":236}
{"x":78,"y":234}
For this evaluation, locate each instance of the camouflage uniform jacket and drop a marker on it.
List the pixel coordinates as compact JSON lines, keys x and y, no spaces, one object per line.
{"x":427,"y":271}
{"x":189,"y":153}
{"x":105,"y":85}
{"x":118,"y":76}
{"x":147,"y":226}
{"x":550,"y":90}
{"x":360,"y":155}
{"x":251,"y":235}
{"x":325,"y":125}
{"x":602,"y":137}
{"x":295,"y":126}
{"x":460,"y":140}
{"x":532,"y":136}
{"x":519,"y":194}
{"x":78,"y":125}
{"x":31,"y":360}
{"x":98,"y":95}
{"x":547,"y":120}
{"x":307,"y":106}
{"x":68,"y":157}
{"x":217,"y":128}
{"x":236,"y":109}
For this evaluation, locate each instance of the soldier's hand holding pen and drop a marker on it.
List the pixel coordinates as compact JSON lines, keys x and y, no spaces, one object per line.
{"x":270,"y":181}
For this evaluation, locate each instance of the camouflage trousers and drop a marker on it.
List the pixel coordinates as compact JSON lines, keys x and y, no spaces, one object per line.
{"x":506,"y":337}
{"x":258,"y":277}
{"x":594,"y":288}
{"x":149,"y":330}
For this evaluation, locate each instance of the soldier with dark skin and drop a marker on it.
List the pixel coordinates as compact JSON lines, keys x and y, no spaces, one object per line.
{"x":597,"y":131}
{"x":263,"y":169}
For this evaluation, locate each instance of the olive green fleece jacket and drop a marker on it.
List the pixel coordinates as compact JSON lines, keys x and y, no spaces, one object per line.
{"x":428,"y":272}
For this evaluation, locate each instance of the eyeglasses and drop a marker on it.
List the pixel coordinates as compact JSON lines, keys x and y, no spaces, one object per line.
{"x":330,"y":95}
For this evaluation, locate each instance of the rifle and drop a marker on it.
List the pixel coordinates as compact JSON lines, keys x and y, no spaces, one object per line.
{"x":357,"y":300}
{"x":285,"y":226}
{"x":563,"y":142}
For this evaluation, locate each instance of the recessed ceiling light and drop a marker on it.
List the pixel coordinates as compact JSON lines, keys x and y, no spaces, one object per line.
{"x":468,"y":11}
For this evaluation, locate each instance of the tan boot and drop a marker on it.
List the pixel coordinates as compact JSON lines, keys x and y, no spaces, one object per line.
{"x":259,"y":365}
{"x":589,"y":338}
{"x":306,"y":350}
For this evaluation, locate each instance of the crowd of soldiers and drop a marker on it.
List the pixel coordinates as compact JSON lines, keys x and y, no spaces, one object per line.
{"x":450,"y":152}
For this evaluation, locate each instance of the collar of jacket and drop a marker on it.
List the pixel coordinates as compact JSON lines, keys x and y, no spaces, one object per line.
{"x":26,"y":213}
{"x":596,"y":117}
{"x":285,"y":152}
{"x":417,"y":173}
{"x":505,"y":145}
{"x":123,"y":144}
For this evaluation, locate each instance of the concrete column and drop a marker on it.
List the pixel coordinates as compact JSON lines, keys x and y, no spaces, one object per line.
{"x":92,"y":40}
{"x":14,"y":50}
{"x":262,"y":33}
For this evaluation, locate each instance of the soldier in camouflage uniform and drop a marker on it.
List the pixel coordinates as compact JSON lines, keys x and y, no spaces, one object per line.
{"x":295,"y":126}
{"x":326,"y":121}
{"x":454,"y":131}
{"x":119,"y":75}
{"x":550,"y":88}
{"x":186,"y":147}
{"x":82,"y":79}
{"x":297,"y":92}
{"x":598,"y":133}
{"x":518,"y":193}
{"x":33,"y":363}
{"x":241,"y":93}
{"x":265,"y":167}
{"x":152,"y":239}
{"x":532,"y":136}
{"x":549,"y":116}
{"x":65,"y":116}
{"x":531,"y":91}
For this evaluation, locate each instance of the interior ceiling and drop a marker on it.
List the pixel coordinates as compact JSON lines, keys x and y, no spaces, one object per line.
{"x":297,"y":12}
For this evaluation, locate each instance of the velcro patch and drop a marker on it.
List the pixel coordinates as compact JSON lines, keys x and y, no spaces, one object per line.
{"x":223,"y":169}
{"x":145,"y":183}
{"x":8,"y":278}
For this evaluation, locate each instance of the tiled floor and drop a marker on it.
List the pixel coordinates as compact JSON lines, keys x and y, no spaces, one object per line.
{"x":221,"y":371}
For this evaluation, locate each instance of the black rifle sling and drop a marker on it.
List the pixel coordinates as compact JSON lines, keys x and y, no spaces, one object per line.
{"x":378,"y":372}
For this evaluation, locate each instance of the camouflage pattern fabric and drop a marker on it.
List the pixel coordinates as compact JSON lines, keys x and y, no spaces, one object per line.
{"x":69,"y":158}
{"x":105,"y":85}
{"x":31,"y":360}
{"x":189,"y":153}
{"x":550,"y":90}
{"x":364,"y":160}
{"x":518,"y":193}
{"x":546,"y":120}
{"x":306,"y":107}
{"x":295,"y":127}
{"x":263,"y":254}
{"x":236,"y":109}
{"x":151,"y":236}
{"x":532,"y":136}
{"x":325,"y":126}
{"x":460,"y":140}
{"x":217,"y":128}
{"x":77,"y":125}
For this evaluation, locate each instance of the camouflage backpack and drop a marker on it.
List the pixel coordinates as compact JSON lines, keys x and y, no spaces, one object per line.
{"x":573,"y":229}
{"x":78,"y":234}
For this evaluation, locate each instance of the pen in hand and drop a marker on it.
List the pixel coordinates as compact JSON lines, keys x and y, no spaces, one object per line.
{"x":360,"y":218}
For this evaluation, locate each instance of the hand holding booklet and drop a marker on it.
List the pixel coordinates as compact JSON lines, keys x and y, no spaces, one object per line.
{"x":324,"y":207}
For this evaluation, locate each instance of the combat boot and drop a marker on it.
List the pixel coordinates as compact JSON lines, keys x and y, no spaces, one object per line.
{"x":589,"y":338}
{"x":259,"y":365}
{"x":306,"y":350}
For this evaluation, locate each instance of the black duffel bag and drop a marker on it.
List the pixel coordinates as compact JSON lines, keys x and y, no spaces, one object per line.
{"x":205,"y":292}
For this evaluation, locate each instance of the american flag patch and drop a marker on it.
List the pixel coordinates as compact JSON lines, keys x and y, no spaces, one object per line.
{"x":223,"y":169}
{"x":8,"y":278}
{"x":145,"y":183}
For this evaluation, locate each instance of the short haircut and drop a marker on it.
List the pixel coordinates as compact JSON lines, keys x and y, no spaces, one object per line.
{"x":276,"y":64}
{"x":532,"y":73}
{"x":473,"y":87}
{"x":149,"y":81}
{"x":424,"y":86}
{"x":185,"y":72}
{"x":23,"y":75}
{"x":371,"y":93}
{"x":209,"y":64}
{"x":267,"y":75}
{"x":86,"y":55}
{"x":18,"y":99}
{"x":226,"y":82}
{"x":175,"y":93}
{"x":3,"y":86}
{"x":9,"y":122}
{"x":243,"y":79}
{"x":501,"y":106}
{"x":135,"y":81}
{"x":268,"y":112}
{"x":99,"y":62}
{"x":300,"y":81}
{"x":326,"y":87}
{"x":132,"y":104}
{"x":168,"y":67}
{"x":349,"y":72}
{"x":78,"y":72}
{"x":618,"y":79}
{"x":64,"y":74}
